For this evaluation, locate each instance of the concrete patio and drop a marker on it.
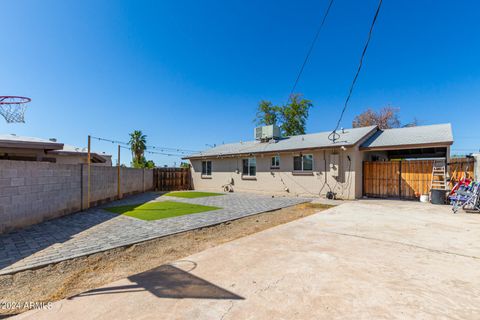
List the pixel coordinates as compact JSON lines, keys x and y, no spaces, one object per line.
{"x":369,"y":259}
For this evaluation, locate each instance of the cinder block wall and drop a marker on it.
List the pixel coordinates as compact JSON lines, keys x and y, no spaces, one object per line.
{"x":103,"y":185}
{"x":32,"y":192}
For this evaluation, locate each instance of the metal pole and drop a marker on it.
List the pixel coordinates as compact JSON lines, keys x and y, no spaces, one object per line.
{"x":89,"y":171}
{"x":119,"y":194}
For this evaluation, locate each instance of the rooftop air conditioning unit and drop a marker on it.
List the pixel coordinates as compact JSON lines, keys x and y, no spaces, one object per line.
{"x":266,"y":133}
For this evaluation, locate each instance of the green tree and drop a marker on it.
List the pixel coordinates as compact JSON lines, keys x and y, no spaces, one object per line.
{"x":149,"y":164}
{"x":143,"y":163}
{"x":291,"y":117}
{"x":294,"y":115}
{"x":184,"y":165}
{"x":138,"y":144}
{"x":267,"y":113}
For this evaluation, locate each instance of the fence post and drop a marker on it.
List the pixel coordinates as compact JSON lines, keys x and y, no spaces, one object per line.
{"x":81,"y":187}
{"x":88,"y":163}
{"x":119,"y":190}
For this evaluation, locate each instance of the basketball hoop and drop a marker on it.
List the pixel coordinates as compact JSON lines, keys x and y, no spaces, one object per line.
{"x":12,"y":108}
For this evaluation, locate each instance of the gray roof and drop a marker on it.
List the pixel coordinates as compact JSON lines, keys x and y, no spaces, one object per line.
{"x":72,"y":150}
{"x":14,"y":141}
{"x":348,"y":137}
{"x":420,"y":135}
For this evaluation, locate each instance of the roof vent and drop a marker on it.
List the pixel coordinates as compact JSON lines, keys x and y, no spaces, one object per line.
{"x":53,"y":139}
{"x":267,"y":133}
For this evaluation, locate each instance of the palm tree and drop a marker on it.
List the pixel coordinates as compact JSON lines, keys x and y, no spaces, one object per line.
{"x":138,"y":144}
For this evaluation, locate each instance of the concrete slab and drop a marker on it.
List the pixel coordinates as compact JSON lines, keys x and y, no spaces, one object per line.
{"x":361,"y":260}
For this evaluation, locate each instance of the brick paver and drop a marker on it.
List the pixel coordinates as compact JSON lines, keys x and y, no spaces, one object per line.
{"x":97,"y":230}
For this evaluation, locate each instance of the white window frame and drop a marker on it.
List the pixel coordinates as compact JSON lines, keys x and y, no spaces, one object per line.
{"x":249,"y":160}
{"x":207,"y":174}
{"x":303,"y":159}
{"x":276,"y":161}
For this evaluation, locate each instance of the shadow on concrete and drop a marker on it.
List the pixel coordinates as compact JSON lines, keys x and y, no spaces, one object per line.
{"x":168,"y":281}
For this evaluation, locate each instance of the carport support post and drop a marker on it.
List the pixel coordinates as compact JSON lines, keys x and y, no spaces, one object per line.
{"x":476,"y":166}
{"x":400,"y":179}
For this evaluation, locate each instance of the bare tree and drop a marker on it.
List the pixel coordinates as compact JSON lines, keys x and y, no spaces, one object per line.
{"x":386,"y":118}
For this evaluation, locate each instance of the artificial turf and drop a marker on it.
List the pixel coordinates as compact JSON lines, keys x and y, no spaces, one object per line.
{"x":192,"y":194}
{"x":160,"y":210}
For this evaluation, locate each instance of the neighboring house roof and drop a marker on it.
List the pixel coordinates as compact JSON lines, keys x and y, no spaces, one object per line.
{"x":348,"y":137}
{"x":72,"y":150}
{"x":51,"y":146}
{"x":14,"y":141}
{"x":438,"y":134}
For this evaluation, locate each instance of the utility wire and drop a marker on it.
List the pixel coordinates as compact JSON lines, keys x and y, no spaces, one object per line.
{"x":334,"y":135}
{"x":310,"y":49}
{"x":154,"y":152}
{"x":183,"y":151}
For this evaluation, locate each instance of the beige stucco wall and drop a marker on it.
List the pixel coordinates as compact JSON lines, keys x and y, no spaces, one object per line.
{"x":276,"y":181}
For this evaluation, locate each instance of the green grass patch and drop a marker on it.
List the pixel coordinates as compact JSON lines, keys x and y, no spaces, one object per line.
{"x":191,"y":194}
{"x":319,"y":205}
{"x":160,"y":210}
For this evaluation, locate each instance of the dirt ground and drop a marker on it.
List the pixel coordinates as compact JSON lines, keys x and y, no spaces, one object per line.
{"x":359,"y":260}
{"x":68,"y":278}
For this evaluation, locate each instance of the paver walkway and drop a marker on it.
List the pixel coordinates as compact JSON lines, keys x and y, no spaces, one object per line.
{"x":97,"y":230}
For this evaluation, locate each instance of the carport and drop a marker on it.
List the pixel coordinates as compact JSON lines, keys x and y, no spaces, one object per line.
{"x":398,"y":163}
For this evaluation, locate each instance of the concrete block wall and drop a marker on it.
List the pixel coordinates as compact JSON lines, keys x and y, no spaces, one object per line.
{"x":135,"y":180}
{"x":32,"y":192}
{"x":103,"y":185}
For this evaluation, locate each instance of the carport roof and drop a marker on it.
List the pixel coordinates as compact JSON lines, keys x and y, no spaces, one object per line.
{"x":348,"y":137}
{"x":438,"y":134}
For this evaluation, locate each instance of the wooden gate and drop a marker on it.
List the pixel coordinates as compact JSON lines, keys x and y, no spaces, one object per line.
{"x":407,"y":179}
{"x":397,"y":179}
{"x":171,"y":179}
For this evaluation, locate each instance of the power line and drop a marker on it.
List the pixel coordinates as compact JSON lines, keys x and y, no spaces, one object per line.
{"x":109,"y":140}
{"x":334,"y":135}
{"x":311,"y":48}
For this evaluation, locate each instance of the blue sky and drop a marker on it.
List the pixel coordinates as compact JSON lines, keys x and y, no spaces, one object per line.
{"x":190,"y":73}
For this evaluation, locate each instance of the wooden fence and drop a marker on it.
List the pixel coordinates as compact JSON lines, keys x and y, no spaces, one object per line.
{"x":170,"y":179}
{"x":461,"y":167}
{"x":407,"y":179}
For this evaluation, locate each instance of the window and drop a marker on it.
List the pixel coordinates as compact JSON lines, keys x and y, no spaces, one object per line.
{"x":275,"y":162}
{"x":249,"y":167}
{"x":303,"y":162}
{"x":206,"y":168}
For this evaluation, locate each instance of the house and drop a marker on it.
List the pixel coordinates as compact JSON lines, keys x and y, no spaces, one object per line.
{"x":312,"y":164}
{"x":14,"y":147}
